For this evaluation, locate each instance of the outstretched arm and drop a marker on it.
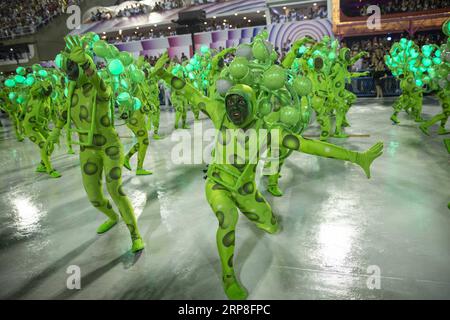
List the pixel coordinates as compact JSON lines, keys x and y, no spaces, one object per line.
{"x":328,"y":150}
{"x":292,"y":54}
{"x":208,"y":106}
{"x":358,"y":56}
{"x":359,"y":74}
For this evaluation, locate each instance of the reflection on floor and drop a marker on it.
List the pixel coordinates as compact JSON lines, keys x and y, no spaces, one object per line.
{"x":337,"y":226}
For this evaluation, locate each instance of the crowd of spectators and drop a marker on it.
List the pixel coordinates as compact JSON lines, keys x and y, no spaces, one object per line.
{"x":129,"y":11}
{"x":299,"y":14}
{"x":379,"y":46}
{"x":25,"y":17}
{"x":395,"y":6}
{"x":168,"y":5}
{"x":139,"y":8}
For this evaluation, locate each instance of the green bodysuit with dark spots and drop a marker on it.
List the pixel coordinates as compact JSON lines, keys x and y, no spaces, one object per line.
{"x":230,"y":185}
{"x":35,"y":124}
{"x":101,"y":153}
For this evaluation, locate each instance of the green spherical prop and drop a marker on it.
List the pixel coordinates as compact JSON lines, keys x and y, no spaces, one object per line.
{"x":265,"y":108}
{"x":113,"y":51}
{"x":12,"y":96}
{"x":124,"y":98}
{"x":101,"y":49}
{"x":138,"y":76}
{"x":125,"y":58}
{"x":21,"y":71}
{"x":19,"y":79}
{"x":239,"y":68}
{"x":274,"y":78}
{"x":204,"y":49}
{"x":43,"y":73}
{"x":10,"y":83}
{"x":116,"y":67}
{"x":302,"y":86}
{"x":137,"y":104}
{"x":29,"y":81}
{"x":59,"y":61}
{"x":289,"y":115}
{"x":260,"y":51}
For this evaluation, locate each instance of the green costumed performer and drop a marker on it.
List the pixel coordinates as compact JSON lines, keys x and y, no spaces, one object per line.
{"x":414,"y":68}
{"x":155,"y":111}
{"x":127,"y":81}
{"x":151,"y":94}
{"x":180,"y":104}
{"x":9,"y":105}
{"x":230,"y":184}
{"x":37,"y":117}
{"x":339,"y":75}
{"x":441,"y":81}
{"x":90,"y":109}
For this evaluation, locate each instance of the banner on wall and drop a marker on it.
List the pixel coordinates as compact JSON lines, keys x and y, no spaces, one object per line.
{"x":280,"y":35}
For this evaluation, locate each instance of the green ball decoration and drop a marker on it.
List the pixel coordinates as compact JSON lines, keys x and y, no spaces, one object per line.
{"x":29,"y":81}
{"x":265,"y":108}
{"x":302,"y":86}
{"x":125,"y":58}
{"x":426,"y":62}
{"x":239,"y":68}
{"x":437,"y":60}
{"x":137,"y":104}
{"x":20,"y":100}
{"x":59,"y":61}
{"x":43,"y":73}
{"x":101,"y":49}
{"x":19,"y":79}
{"x":10,"y":83}
{"x":123,"y":98}
{"x":138,"y":76}
{"x":21,"y":71}
{"x":427,"y":50}
{"x":289,"y":116}
{"x":12,"y":96}
{"x":113,"y":51}
{"x":260,"y":51}
{"x":116,"y":67}
{"x":204,"y":49}
{"x":274,"y":78}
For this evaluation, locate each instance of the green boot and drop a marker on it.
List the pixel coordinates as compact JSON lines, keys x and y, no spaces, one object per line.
{"x":272,"y":185}
{"x":107,"y":225}
{"x":138,"y":245}
{"x":233,"y":289}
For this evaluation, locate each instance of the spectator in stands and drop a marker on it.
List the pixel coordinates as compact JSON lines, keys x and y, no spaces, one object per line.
{"x":395,"y":6}
{"x":379,"y":74}
{"x":298,"y":14}
{"x":24,"y":17}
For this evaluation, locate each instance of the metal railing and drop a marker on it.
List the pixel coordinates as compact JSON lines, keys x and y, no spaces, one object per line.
{"x":365,"y":86}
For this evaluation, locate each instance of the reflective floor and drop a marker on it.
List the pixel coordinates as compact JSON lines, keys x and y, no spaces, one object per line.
{"x":339,"y":228}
